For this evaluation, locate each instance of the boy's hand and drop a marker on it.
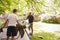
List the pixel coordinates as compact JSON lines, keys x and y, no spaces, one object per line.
{"x":1,"y":29}
{"x":22,"y":25}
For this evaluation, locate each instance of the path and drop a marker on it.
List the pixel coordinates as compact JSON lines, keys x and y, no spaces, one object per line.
{"x":3,"y":36}
{"x":46,"y":27}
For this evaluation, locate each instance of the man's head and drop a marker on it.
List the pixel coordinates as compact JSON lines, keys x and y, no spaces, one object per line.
{"x":14,"y":11}
{"x":30,"y":13}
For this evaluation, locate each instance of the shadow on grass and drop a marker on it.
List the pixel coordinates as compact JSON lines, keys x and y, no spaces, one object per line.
{"x":44,"y":36}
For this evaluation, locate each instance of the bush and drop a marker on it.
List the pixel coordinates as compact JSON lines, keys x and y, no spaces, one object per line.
{"x":51,"y":18}
{"x":58,"y":18}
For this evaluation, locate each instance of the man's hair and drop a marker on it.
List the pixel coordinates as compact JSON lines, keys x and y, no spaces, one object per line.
{"x":30,"y":13}
{"x":14,"y":10}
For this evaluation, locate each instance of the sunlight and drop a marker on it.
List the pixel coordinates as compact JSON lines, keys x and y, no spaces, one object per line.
{"x":48,"y":2}
{"x":59,"y":1}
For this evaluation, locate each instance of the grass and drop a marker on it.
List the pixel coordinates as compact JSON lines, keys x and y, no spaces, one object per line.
{"x":45,"y":35}
{"x":51,"y":22}
{"x":1,"y":22}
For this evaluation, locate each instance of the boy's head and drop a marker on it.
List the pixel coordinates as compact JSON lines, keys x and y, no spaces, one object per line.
{"x":14,"y":10}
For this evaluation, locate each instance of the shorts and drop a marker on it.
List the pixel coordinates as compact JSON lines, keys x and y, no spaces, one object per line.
{"x":31,"y":25}
{"x":11,"y":31}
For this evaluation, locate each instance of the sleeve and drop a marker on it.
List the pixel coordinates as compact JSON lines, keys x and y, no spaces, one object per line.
{"x":27,"y":17}
{"x":17,"y":17}
{"x":33,"y":17}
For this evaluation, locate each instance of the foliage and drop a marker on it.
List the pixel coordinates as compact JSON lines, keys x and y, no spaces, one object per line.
{"x":27,"y":5}
{"x":51,"y":19}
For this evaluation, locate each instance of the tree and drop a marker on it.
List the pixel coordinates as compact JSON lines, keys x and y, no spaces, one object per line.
{"x":26,"y":5}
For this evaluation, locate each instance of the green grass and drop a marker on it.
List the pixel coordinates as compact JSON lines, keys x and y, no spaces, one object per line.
{"x":1,"y":22}
{"x":45,"y":35}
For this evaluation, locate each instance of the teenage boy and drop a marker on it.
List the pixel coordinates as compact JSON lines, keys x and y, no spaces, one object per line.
{"x":12,"y":20}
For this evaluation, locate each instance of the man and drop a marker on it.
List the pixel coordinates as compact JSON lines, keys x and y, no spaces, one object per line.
{"x":30,"y":19}
{"x":12,"y":20}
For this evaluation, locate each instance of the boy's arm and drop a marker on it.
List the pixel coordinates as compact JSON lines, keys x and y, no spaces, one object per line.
{"x":5,"y":23}
{"x":20,"y":23}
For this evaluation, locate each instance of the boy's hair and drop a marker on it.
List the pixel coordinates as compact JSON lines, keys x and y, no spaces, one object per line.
{"x":14,"y":10}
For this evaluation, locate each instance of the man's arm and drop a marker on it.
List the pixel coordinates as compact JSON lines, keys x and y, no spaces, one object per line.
{"x":33,"y":18}
{"x":26,"y":18}
{"x":5,"y":23}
